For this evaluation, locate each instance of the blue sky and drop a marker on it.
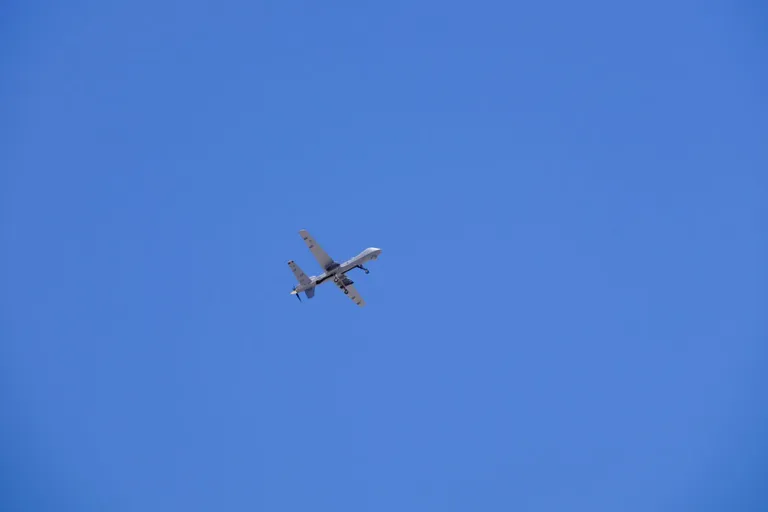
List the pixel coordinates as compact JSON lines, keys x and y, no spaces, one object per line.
{"x":569,"y":312}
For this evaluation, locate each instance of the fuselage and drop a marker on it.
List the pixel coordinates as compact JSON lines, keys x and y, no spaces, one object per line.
{"x":337,"y":269}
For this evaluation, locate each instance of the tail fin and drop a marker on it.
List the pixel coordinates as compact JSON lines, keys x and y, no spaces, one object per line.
{"x":301,"y":277}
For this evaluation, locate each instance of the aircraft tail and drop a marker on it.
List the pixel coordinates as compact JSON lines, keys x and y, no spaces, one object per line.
{"x":301,"y":277}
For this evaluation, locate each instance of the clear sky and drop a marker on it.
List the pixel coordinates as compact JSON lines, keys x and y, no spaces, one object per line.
{"x":568,"y":314}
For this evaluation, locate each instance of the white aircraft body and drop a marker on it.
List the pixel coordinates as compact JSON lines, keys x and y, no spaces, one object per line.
{"x":335,"y":272}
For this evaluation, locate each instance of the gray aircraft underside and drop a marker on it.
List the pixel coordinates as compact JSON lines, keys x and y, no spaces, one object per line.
{"x":333,"y":271}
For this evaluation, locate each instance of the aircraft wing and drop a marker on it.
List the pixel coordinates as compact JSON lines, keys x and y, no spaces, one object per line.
{"x":320,"y":255}
{"x":347,"y":286}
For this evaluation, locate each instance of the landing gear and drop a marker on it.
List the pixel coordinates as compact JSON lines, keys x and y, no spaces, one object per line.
{"x":346,"y":292}
{"x":364,"y":269}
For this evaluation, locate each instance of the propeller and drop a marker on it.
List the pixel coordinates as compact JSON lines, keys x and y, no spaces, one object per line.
{"x":298,"y":296}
